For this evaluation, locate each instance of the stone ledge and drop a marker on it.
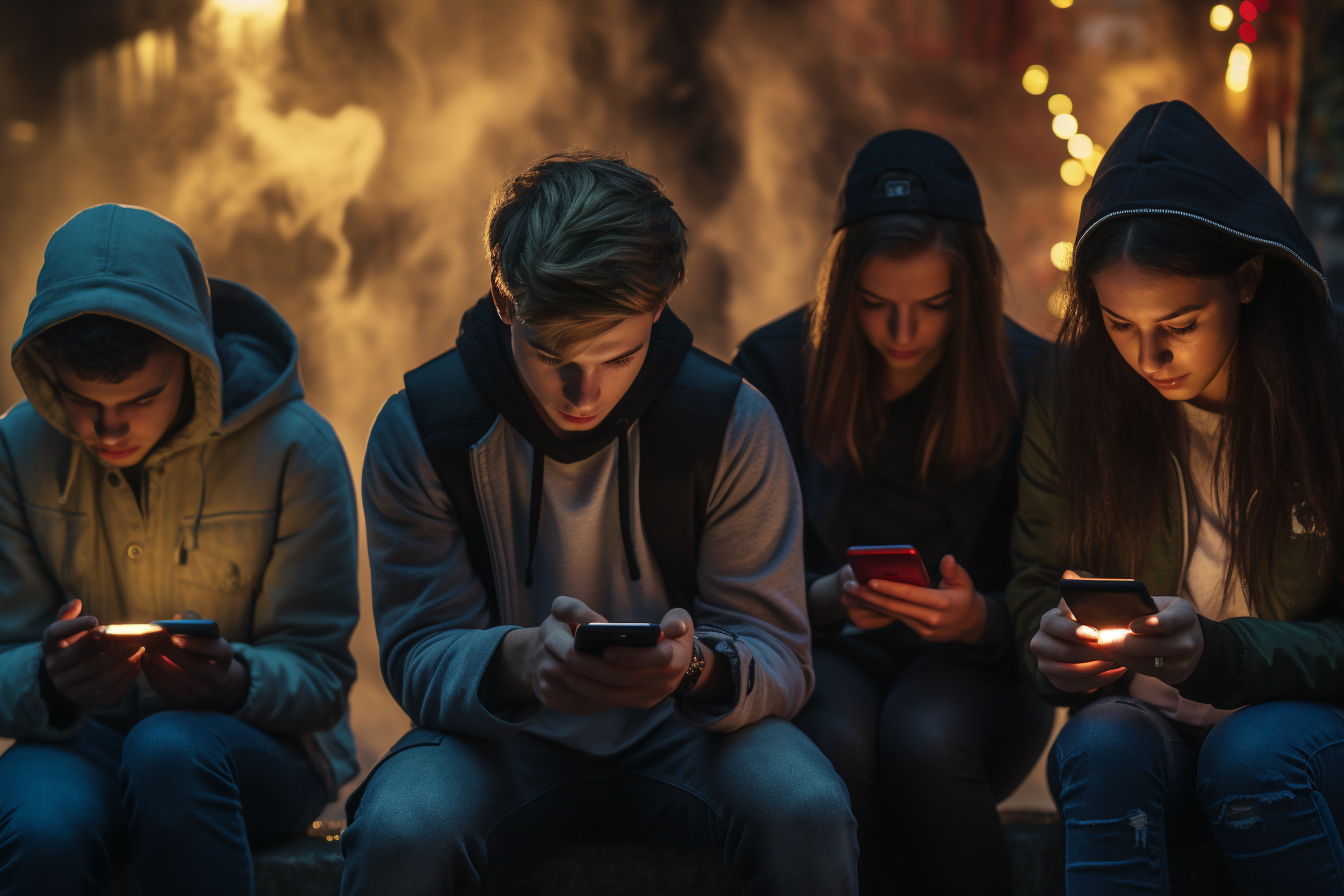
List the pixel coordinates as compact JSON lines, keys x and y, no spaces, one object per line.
{"x":311,"y":866}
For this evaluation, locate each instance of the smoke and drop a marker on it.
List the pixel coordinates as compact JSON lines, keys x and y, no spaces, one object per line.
{"x":338,"y":155}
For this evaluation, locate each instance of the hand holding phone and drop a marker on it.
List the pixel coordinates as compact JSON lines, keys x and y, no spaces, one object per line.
{"x":87,"y":671}
{"x":954,"y":611}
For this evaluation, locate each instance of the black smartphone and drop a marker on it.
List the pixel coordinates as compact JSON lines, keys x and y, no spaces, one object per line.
{"x":142,"y":631}
{"x":1107,"y":603}
{"x":595,"y":637}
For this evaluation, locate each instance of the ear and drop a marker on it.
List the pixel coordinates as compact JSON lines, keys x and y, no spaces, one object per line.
{"x":659,"y":313}
{"x":502,"y":307}
{"x":1248,"y":278}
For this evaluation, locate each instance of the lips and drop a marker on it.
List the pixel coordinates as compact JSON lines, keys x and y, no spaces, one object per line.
{"x":1173,"y":383}
{"x":577,"y":421}
{"x":897,"y":355}
{"x":117,"y":453}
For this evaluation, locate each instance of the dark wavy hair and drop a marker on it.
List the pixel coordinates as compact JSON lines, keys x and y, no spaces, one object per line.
{"x":580,"y":241}
{"x":974,"y":402}
{"x":99,"y":347}
{"x":1282,"y":429}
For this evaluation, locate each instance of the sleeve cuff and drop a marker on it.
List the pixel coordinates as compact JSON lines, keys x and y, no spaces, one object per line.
{"x":742,"y":668}
{"x":62,"y":713}
{"x":1223,"y":653}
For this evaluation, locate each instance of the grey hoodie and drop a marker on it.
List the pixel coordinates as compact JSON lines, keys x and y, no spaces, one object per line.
{"x":246,"y":514}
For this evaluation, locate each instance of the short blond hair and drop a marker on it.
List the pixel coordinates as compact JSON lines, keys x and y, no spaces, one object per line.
{"x":580,"y":241}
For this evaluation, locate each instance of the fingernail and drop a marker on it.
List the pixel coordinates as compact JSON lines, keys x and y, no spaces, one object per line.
{"x":180,"y":640}
{"x":1087,"y":631}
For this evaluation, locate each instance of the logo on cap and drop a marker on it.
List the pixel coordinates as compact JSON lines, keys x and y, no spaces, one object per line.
{"x":894,"y":188}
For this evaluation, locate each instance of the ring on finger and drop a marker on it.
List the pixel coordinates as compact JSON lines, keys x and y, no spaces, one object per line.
{"x":1158,"y":661}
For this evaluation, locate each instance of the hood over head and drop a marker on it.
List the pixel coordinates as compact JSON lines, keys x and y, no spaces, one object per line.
{"x":136,"y":265}
{"x":1170,"y":160}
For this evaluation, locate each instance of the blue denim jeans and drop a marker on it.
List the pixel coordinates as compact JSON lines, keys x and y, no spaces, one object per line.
{"x":181,"y":795}
{"x":1266,"y":781}
{"x":440,"y":807}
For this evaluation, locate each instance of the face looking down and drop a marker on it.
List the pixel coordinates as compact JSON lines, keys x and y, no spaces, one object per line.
{"x":574,"y":395}
{"x":122,"y":422}
{"x":904,"y":308}
{"x":1176,"y":332}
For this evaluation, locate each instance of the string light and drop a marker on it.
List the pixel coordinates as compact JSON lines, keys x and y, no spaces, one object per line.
{"x":1239,"y":68}
{"x":1062,"y":4}
{"x":1064,"y":126}
{"x":1247,"y":32}
{"x":1093,"y":161}
{"x":1080,"y":146}
{"x":1072,"y":172}
{"x":1248,"y":10}
{"x":1220,"y":17}
{"x":1061,"y":255}
{"x":1059,"y":104}
{"x":1035,"y":80}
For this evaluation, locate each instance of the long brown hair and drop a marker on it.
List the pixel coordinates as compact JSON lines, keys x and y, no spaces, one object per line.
{"x":1281,"y":431}
{"x":974,"y":402}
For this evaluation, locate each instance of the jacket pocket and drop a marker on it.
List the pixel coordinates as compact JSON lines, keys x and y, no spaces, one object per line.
{"x":221,"y":566}
{"x":66,"y":540}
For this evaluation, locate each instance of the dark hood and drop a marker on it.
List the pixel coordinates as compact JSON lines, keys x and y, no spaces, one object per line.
{"x":1170,"y":160}
{"x":486,"y":352}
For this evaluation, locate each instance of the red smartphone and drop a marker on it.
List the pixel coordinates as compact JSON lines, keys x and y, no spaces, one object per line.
{"x":893,"y":562}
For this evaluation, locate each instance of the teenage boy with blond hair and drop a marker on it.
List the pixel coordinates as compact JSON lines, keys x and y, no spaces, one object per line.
{"x":575,"y":460}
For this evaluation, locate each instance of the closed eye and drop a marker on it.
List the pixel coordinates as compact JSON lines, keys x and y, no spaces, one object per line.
{"x":621,"y":362}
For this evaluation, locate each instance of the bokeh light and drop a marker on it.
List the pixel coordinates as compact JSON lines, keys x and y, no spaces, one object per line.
{"x":1059,"y":104}
{"x":1035,"y":80}
{"x":1080,"y":146}
{"x":1072,"y":172}
{"x":1064,"y":126}
{"x":1093,"y":161}
{"x":1248,"y":10}
{"x":1239,"y":68}
{"x":1220,"y":17}
{"x":251,"y":7}
{"x":1247,"y":32}
{"x":1058,"y":303}
{"x":22,"y":131}
{"x":1062,"y":4}
{"x":1061,"y":255}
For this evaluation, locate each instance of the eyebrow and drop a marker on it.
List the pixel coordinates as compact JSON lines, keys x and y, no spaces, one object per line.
{"x":869,"y":292}
{"x":1177,"y":313}
{"x":147,"y":395}
{"x":621,"y":357}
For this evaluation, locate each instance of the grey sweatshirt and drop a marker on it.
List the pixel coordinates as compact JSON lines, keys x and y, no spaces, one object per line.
{"x":430,"y":608}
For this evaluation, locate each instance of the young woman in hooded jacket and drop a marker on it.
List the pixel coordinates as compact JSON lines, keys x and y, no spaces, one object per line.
{"x":898,"y":389}
{"x":1190,"y":438}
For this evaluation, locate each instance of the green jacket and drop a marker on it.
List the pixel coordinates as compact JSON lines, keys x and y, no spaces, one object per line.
{"x":1297,"y":656}
{"x":246,"y":515}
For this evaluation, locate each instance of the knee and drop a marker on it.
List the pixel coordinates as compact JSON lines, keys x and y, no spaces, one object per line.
{"x":812,"y":808}
{"x":1251,"y":758}
{"x":1109,"y":744}
{"x":167,"y":748}
{"x":43,"y":837}
{"x":402,"y":822}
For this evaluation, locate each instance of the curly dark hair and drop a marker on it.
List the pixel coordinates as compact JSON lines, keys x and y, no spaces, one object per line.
{"x":98,"y":347}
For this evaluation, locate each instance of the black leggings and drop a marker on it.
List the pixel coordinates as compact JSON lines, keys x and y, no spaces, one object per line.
{"x":927,"y":751}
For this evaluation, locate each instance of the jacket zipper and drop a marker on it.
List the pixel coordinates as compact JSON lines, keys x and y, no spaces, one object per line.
{"x":1185,"y":526}
{"x":1215,"y":224}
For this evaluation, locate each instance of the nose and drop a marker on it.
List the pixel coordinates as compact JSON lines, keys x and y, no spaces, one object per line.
{"x":1153,"y":354}
{"x":110,"y":426}
{"x":579,"y":387}
{"x":901,"y":324}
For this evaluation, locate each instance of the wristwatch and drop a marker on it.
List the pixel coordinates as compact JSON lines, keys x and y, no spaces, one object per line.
{"x":693,"y":670}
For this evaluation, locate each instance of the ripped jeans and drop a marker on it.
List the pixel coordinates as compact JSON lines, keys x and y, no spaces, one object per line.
{"x":1267,"y":780}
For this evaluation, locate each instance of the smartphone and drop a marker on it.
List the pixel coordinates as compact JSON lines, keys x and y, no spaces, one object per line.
{"x":893,"y":562}
{"x":595,"y":637}
{"x":1107,"y":603}
{"x":141,"y":631}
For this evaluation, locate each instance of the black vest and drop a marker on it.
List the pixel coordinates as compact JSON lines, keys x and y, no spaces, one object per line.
{"x":680,"y":435}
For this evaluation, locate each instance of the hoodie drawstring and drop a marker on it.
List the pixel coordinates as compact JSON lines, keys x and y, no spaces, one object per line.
{"x":534,"y":512}
{"x":75,"y":452}
{"x":623,"y":500}
{"x":200,"y":512}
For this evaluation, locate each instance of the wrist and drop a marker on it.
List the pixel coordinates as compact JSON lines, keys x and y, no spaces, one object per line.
{"x":979,"y":616}
{"x":509,"y":678}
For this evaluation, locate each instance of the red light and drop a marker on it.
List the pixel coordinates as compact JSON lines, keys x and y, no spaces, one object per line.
{"x":1248,"y":10}
{"x":1247,"y":32}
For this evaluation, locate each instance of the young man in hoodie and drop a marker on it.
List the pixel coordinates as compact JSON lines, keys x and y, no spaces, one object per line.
{"x":165,"y":465}
{"x":575,"y":461}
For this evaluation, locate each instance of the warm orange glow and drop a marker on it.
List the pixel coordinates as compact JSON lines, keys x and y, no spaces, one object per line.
{"x":1080,"y":146}
{"x":1059,"y":104}
{"x":1220,"y":17}
{"x":126,"y":629}
{"x":252,"y":7}
{"x":1108,"y":636}
{"x":1061,"y":255}
{"x":1093,"y":161}
{"x":1072,"y":172}
{"x":1064,"y":126}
